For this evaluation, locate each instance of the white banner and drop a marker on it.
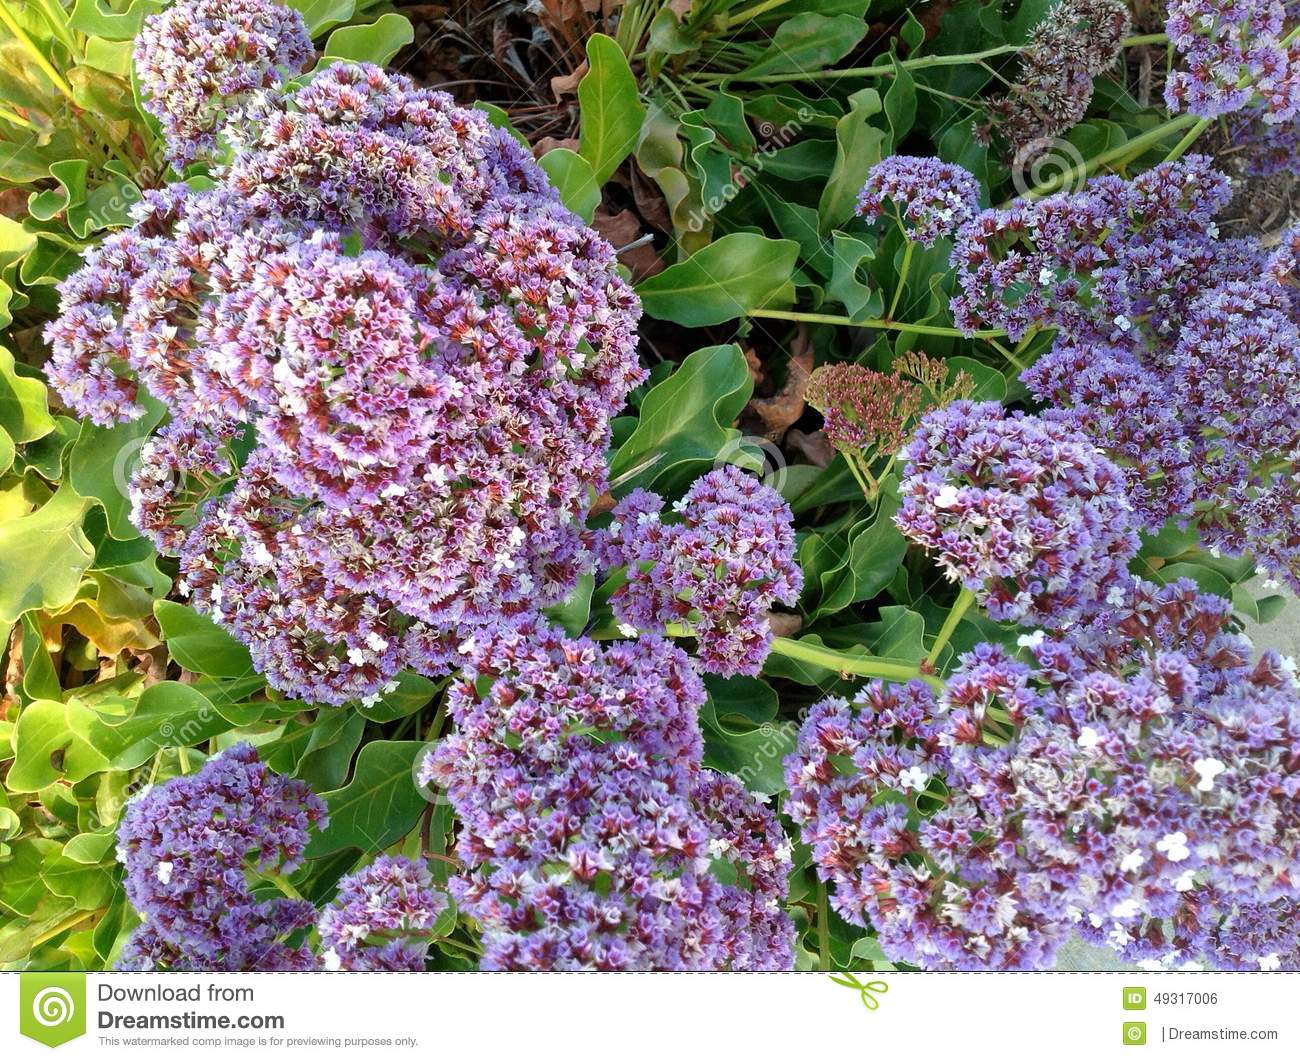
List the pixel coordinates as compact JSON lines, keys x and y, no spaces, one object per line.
{"x":570,"y":1017}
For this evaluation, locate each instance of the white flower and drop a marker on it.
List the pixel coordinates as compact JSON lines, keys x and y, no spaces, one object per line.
{"x":1269,"y":963}
{"x":1031,"y":641}
{"x":1046,"y":276}
{"x":719,"y":846}
{"x":1116,"y":597}
{"x":1133,"y":860}
{"x":784,"y":851}
{"x":627,"y":629}
{"x":330,"y":959}
{"x":914,"y":778}
{"x":164,"y":872}
{"x":1174,"y":847}
{"x":1128,"y":908}
{"x":1207,"y":770}
{"x":1185,"y":882}
{"x":1088,"y":738}
{"x":1123,"y":323}
{"x":946,"y":497}
{"x":356,"y":657}
{"x":467,"y":646}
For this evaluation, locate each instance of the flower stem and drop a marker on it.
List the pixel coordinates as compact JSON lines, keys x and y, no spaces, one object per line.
{"x":823,"y":928}
{"x":1187,"y":140}
{"x":959,"y":608}
{"x":902,"y":279}
{"x":1123,"y":152}
{"x":847,"y":663}
{"x":886,"y":325}
{"x":924,"y":62}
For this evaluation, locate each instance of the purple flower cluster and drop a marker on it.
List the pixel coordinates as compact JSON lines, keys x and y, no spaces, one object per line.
{"x":199,"y":60}
{"x":1236,"y":55}
{"x":381,"y":917}
{"x":1075,"y":41}
{"x":1116,"y":261}
{"x":574,"y":770}
{"x":1024,"y":512}
{"x":1176,"y":350}
{"x":390,"y":356}
{"x":719,"y":567}
{"x":189,"y":846}
{"x":931,"y":199}
{"x":1138,"y":787}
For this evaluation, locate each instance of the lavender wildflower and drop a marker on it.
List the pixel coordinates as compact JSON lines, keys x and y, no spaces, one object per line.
{"x":1024,"y":512}
{"x":381,"y":917}
{"x":199,"y":59}
{"x":720,"y":568}
{"x":931,"y":199}
{"x":189,"y":847}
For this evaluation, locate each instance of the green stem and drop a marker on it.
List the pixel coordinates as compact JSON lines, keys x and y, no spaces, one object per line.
{"x":1187,"y":140}
{"x":886,"y":325}
{"x":823,"y":928}
{"x":902,"y":279}
{"x":37,"y":56}
{"x":732,"y":21}
{"x":1123,"y":152}
{"x":923,"y":63}
{"x":1145,"y":38}
{"x":281,"y":882}
{"x":959,"y":608}
{"x":845,"y":663}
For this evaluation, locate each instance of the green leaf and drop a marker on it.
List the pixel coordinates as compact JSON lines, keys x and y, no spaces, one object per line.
{"x":990,"y":384}
{"x":376,"y":43}
{"x":858,"y":146}
{"x":320,"y":15}
{"x":610,"y":106}
{"x":200,"y":645}
{"x":850,"y":283}
{"x":40,"y":679}
{"x":97,"y":18}
{"x":43,"y":556}
{"x":70,"y":742}
{"x":1209,"y":580}
{"x":102,"y":460}
{"x":573,"y":178}
{"x":7,"y":451}
{"x":847,"y":575}
{"x":900,"y":104}
{"x":380,"y":804}
{"x":685,"y":420}
{"x":412,"y":693}
{"x":728,"y":278}
{"x":89,"y":887}
{"x":21,"y":886}
{"x":24,"y":412}
{"x":807,"y":43}
{"x":753,"y":753}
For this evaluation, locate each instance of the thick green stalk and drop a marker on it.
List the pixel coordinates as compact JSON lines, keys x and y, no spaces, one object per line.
{"x":902,"y":279}
{"x":846,"y":663}
{"x":886,"y":325}
{"x":823,"y":928}
{"x":959,"y":608}
{"x":1123,"y":152}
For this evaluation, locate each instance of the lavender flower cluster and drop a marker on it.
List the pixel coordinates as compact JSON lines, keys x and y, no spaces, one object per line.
{"x":588,"y":825}
{"x":380,"y":918}
{"x":390,"y":358}
{"x":1176,"y":350}
{"x":199,"y":60}
{"x":1136,"y":786}
{"x":1024,"y":512}
{"x":720,"y":567}
{"x":931,"y":199}
{"x":1235,"y":56}
{"x":1075,"y":41}
{"x":189,"y":847}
